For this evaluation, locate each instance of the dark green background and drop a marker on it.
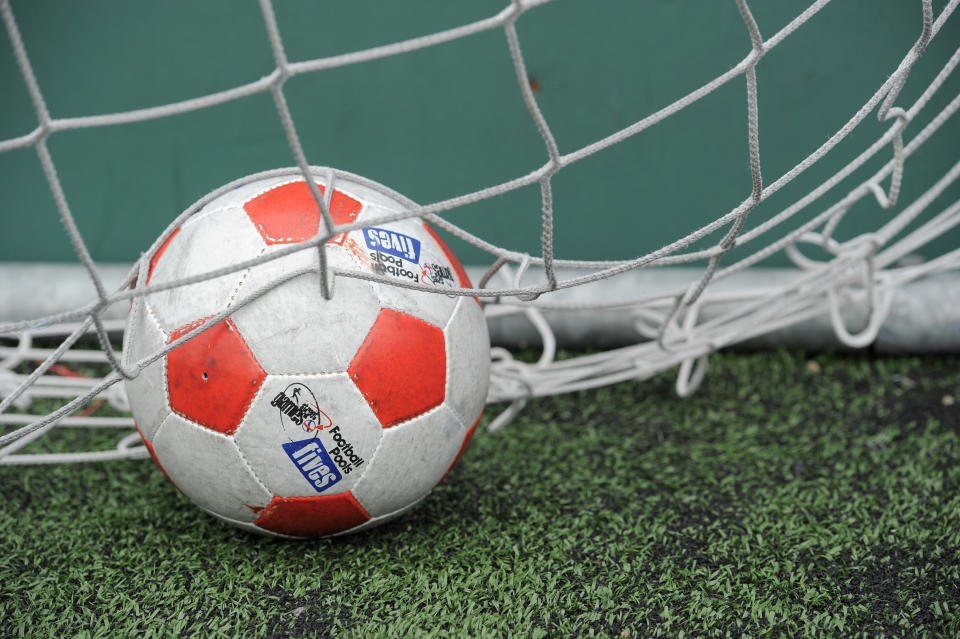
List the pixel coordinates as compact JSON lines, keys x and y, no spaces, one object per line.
{"x":448,"y":120}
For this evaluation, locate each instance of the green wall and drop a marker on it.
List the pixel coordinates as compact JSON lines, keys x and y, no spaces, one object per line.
{"x":448,"y":120}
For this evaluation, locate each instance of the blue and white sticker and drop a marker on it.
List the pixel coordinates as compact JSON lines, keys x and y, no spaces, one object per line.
{"x":393,"y":243}
{"x":314,"y":463}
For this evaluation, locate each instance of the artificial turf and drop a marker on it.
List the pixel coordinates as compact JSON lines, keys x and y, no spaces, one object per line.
{"x":788,"y":497}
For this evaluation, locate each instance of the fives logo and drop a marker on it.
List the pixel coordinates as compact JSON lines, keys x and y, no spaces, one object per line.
{"x":393,"y":243}
{"x":314,"y":463}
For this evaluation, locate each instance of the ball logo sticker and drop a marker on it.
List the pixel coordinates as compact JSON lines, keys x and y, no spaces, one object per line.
{"x":314,"y":463}
{"x":438,"y":275}
{"x":393,"y":243}
{"x":301,"y":415}
{"x":299,"y":412}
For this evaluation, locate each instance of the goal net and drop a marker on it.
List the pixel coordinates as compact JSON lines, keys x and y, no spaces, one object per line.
{"x":893,"y":283}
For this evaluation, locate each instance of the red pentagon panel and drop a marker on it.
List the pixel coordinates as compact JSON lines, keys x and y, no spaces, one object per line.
{"x":463,"y":447}
{"x":213,"y":377}
{"x":312,"y":516}
{"x":289,"y":214}
{"x":454,"y":262}
{"x":401,"y":367}
{"x":156,"y":256}
{"x":154,"y":456}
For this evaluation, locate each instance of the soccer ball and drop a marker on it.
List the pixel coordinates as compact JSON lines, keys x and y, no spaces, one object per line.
{"x":295,"y":415}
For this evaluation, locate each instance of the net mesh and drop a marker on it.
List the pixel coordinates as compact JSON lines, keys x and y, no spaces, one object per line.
{"x":672,"y":326}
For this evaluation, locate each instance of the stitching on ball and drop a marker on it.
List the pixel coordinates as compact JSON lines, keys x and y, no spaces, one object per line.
{"x":217,"y":435}
{"x":243,"y":278}
{"x":364,"y":345}
{"x":156,"y":433}
{"x":156,"y":320}
{"x":456,"y":309}
{"x":313,"y":374}
{"x":239,"y":523}
{"x":246,"y":407}
{"x":203,"y":213}
{"x":267,"y":189}
{"x":163,"y":368}
{"x":243,"y":458}
{"x":457,"y":416}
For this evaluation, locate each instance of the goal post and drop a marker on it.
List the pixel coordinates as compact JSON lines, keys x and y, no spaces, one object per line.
{"x":924,"y":316}
{"x":850,"y":240}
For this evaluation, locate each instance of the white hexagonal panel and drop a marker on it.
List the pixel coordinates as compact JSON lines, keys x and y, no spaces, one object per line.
{"x":309,"y":435}
{"x":146,"y":392}
{"x":293,"y":330}
{"x":468,"y":361}
{"x":206,"y":242}
{"x":412,"y":458}
{"x":208,"y":468}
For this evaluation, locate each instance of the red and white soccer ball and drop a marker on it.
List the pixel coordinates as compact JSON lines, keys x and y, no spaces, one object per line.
{"x":298,"y":416}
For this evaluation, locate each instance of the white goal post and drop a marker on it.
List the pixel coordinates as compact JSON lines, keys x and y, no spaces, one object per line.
{"x":670,"y":307}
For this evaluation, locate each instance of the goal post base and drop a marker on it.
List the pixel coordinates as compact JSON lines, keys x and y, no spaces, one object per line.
{"x":924,"y":315}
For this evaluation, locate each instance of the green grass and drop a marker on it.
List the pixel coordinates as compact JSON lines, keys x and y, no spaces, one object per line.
{"x":779,"y":501}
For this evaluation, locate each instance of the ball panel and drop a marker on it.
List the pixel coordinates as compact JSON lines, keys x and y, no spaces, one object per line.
{"x":468,"y":361}
{"x":316,"y":516}
{"x":208,"y":468}
{"x":207,"y":242}
{"x":327,"y":333}
{"x":288,"y":213}
{"x":412,"y":458}
{"x":401,"y":367}
{"x":147,"y":391}
{"x":309,"y":435}
{"x":213,"y":377}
